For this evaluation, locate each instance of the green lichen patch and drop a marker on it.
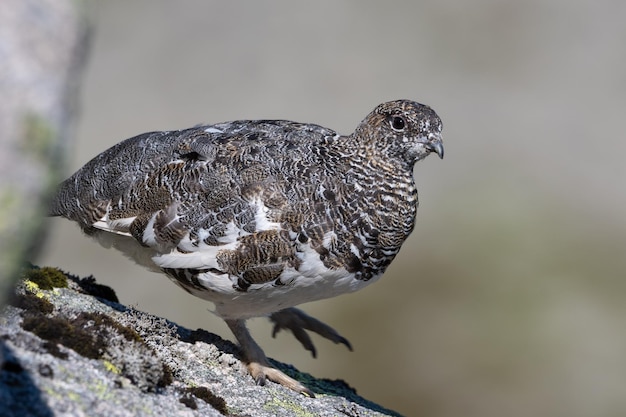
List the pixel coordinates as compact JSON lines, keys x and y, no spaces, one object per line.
{"x":111,"y":367}
{"x":284,"y":405}
{"x":46,"y":278}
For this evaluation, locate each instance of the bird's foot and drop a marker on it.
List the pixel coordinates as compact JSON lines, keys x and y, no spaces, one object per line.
{"x":261,"y":372}
{"x":298,"y":322}
{"x":257,"y":363}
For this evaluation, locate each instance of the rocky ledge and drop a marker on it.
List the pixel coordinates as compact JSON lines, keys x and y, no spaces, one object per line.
{"x":69,"y":348}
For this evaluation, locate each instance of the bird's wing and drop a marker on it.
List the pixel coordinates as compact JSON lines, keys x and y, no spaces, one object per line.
{"x":192,"y":194}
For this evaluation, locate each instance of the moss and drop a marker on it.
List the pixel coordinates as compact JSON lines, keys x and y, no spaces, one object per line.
{"x":90,"y":335}
{"x":102,"y":323}
{"x":31,"y":302}
{"x":205,"y":395}
{"x":46,"y":278}
{"x":73,"y":334}
{"x":57,"y":330}
{"x":167,"y":378}
{"x":189,"y":401}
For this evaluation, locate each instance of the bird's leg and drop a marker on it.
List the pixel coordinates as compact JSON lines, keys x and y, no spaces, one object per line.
{"x":257,"y":363}
{"x":298,"y":322}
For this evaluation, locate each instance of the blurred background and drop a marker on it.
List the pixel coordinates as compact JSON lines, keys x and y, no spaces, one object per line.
{"x":510,"y":296}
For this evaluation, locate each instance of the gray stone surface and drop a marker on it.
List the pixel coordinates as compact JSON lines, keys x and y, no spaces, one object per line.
{"x":69,"y":351}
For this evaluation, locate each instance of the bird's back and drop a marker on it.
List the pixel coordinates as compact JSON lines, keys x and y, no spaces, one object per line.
{"x":133,"y":176}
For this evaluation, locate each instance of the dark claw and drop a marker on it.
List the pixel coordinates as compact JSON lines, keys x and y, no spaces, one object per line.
{"x":275,"y":330}
{"x":345,"y":342}
{"x":260,"y":380}
{"x":308,"y":392}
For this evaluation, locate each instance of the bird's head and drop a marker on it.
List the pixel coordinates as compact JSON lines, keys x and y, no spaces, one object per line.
{"x":402,"y":130}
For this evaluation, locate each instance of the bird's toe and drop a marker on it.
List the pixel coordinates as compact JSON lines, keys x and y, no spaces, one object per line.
{"x":261,"y":373}
{"x":298,"y":322}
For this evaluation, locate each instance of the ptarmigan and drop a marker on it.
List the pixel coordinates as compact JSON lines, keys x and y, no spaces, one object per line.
{"x":260,"y":216}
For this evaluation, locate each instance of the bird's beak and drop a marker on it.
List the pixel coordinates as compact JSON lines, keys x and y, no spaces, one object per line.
{"x":435,"y":144}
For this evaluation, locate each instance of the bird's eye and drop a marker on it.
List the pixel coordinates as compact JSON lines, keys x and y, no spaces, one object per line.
{"x":397,"y":123}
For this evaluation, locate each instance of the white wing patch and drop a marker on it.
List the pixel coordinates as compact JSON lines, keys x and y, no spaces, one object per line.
{"x":260,"y":217}
{"x":199,"y":255}
{"x":118,"y":226}
{"x":148,"y":237}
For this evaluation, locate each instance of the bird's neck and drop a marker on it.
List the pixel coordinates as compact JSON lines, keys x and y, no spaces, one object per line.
{"x":385,"y":185}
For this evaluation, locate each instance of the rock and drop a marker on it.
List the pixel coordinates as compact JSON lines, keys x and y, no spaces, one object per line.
{"x":71,"y":349}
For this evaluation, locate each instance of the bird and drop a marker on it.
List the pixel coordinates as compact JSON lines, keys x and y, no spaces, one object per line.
{"x":259,"y":216}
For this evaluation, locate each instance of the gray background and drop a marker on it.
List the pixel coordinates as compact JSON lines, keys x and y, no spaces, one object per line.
{"x":510,"y":296}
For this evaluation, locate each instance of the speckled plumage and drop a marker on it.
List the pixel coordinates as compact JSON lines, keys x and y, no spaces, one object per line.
{"x":259,"y":216}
